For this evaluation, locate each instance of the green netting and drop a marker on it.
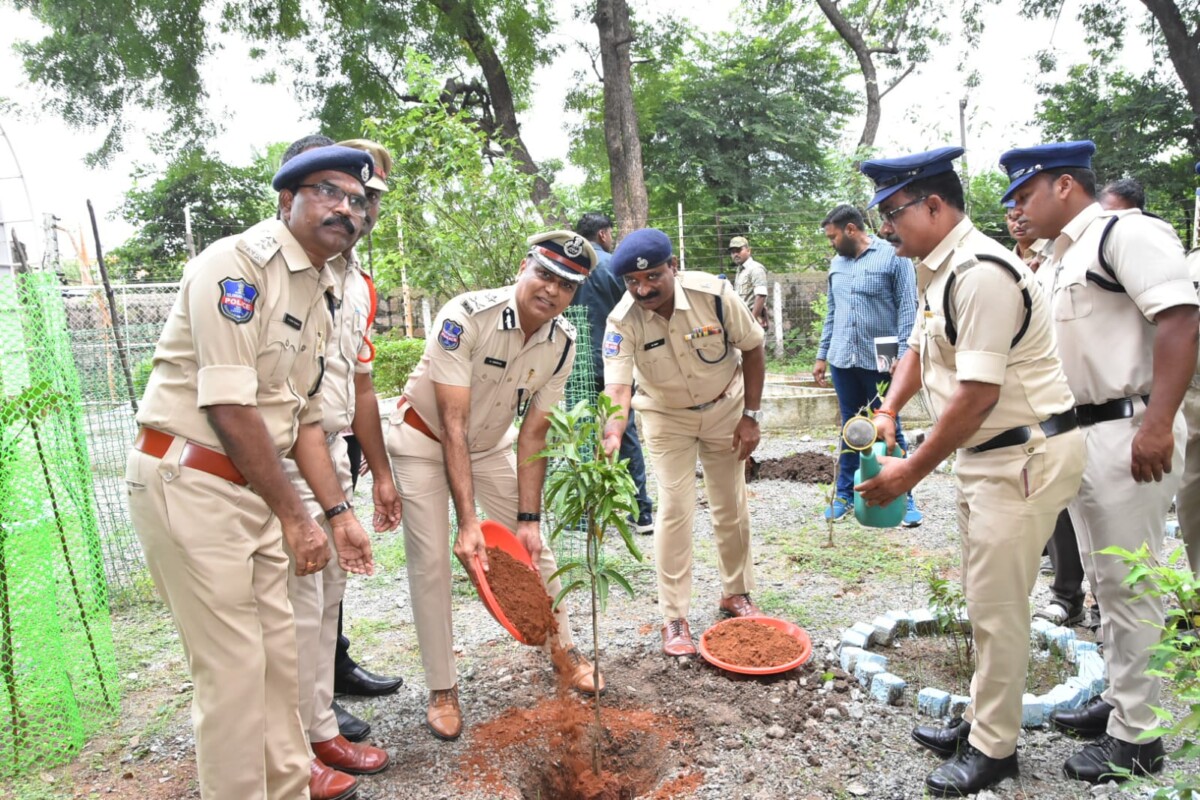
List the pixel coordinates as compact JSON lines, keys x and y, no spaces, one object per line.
{"x":58,"y":680}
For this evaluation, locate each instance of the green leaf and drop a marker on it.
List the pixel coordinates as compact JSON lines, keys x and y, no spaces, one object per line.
{"x":566,"y":590}
{"x":619,"y":579}
{"x":563,"y":569}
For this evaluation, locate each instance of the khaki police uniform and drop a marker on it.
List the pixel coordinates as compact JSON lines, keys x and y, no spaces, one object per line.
{"x":317,"y":597}
{"x":476,"y":341}
{"x":690,"y":398}
{"x":1106,"y":341}
{"x":1187,"y":499}
{"x":247,"y":328}
{"x":1008,"y":497}
{"x":1034,"y":255}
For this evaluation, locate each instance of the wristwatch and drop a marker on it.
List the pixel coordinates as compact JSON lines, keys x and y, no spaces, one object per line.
{"x":340,"y":508}
{"x":755,"y":414}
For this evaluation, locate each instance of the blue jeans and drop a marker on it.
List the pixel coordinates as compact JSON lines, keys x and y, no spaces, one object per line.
{"x":855,"y":389}
{"x":631,"y":448}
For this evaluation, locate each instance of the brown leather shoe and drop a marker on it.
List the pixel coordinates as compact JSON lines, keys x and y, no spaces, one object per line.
{"x":740,"y":605}
{"x":677,"y":638}
{"x":444,"y":717}
{"x":582,"y":673}
{"x":325,"y":783}
{"x":356,"y":759}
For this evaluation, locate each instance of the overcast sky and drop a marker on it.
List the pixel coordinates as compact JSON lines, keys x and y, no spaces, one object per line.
{"x":922,"y":113}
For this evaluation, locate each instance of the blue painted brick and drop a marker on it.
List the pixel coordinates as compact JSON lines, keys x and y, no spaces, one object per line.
{"x":1059,"y":639}
{"x":852,"y":638}
{"x":1033,"y":711}
{"x":904,"y":621}
{"x":866,"y":629}
{"x":933,"y":702}
{"x":888,"y":688}
{"x":1091,"y":671}
{"x":958,"y":704}
{"x":886,"y":629}
{"x":1039,"y":629}
{"x":923,"y":622}
{"x":865,"y":671}
{"x":849,"y":657}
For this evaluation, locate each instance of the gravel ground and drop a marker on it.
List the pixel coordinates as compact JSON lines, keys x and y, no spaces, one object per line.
{"x":786,"y":736}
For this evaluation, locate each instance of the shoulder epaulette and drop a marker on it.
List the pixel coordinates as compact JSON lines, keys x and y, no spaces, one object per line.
{"x":477,"y":301}
{"x":948,"y":294}
{"x":621,"y":309}
{"x":701,"y":282}
{"x":260,"y":247}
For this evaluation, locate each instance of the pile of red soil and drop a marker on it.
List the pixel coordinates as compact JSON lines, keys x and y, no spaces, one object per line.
{"x":746,"y":643}
{"x":522,"y":596}
{"x":545,"y":752}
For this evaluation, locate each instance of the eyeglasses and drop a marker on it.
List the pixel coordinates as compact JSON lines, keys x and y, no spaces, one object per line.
{"x":890,"y":216}
{"x":334,"y":195}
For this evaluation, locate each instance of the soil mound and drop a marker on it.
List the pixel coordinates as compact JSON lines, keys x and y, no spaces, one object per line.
{"x":799,"y":468}
{"x":522,"y":596}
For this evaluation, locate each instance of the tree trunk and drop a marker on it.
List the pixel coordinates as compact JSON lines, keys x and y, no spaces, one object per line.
{"x":853,"y":38}
{"x":461,"y":14}
{"x":1183,"y":50}
{"x":630,"y":202}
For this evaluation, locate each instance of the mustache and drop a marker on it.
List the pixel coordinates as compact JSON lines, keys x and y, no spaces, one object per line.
{"x":343,"y":221}
{"x":893,"y":239}
{"x":643,"y":298}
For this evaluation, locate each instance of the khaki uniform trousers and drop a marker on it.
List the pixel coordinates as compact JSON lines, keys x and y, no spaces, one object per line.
{"x":1008,"y":500}
{"x":1187,"y":499}
{"x":1112,"y":509}
{"x":215,"y":553}
{"x":674,"y":439}
{"x":420,"y":474}
{"x":315,"y":602}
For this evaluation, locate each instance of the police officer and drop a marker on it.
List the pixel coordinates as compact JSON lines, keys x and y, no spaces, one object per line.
{"x":697,"y":357}
{"x":235,"y":385}
{"x":983,"y":350}
{"x":491,"y":357}
{"x":348,"y":398}
{"x":1125,"y":314}
{"x":751,"y":281}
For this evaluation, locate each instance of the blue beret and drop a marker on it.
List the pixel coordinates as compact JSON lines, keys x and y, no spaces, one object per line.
{"x":893,"y":174}
{"x":565,"y":253}
{"x":1023,"y":163}
{"x":355,"y":163}
{"x":1198,"y":167}
{"x":640,"y":250}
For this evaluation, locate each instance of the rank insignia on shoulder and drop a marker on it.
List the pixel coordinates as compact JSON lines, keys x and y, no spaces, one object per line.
{"x":450,"y":335}
{"x":238,"y":297}
{"x":612,"y":343}
{"x":259,"y":250}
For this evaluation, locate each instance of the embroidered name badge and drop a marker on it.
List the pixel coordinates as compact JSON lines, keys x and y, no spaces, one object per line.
{"x":292,"y":322}
{"x":237,"y":299}
{"x":654,"y":344}
{"x":495,"y":362}
{"x":449,"y":336}
{"x":612,"y":343}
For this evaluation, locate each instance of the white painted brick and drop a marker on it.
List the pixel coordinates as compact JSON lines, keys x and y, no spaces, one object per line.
{"x":888,"y":688}
{"x":849,"y":657}
{"x":933,"y":702}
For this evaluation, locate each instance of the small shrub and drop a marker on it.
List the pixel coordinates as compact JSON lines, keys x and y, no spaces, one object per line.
{"x":141,"y":375}
{"x":395,"y":359}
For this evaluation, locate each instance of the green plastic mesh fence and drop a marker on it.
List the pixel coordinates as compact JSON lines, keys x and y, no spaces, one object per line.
{"x":58,"y":676}
{"x":110,"y":388}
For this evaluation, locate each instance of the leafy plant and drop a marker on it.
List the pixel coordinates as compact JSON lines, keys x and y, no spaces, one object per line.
{"x":395,"y":359}
{"x":596,"y":491}
{"x":1175,"y":658}
{"x":949,"y":607}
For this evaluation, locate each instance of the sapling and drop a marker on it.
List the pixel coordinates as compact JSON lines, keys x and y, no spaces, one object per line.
{"x":593,"y":491}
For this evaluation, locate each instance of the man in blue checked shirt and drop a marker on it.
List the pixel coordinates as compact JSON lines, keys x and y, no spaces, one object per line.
{"x":872,"y":294}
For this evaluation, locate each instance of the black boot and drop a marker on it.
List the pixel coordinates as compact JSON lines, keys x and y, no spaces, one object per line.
{"x":1096,"y":762}
{"x":350,"y":726}
{"x":968,"y":772}
{"x":1086,"y":723}
{"x":943,"y":741}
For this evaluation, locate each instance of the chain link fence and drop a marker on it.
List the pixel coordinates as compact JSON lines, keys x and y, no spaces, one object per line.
{"x":57,"y":664}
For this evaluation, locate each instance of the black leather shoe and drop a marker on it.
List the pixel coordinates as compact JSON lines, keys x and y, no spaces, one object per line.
{"x":1086,"y":723}
{"x":1095,"y":762}
{"x":350,"y":726}
{"x":366,"y":684}
{"x":943,"y":741}
{"x":968,"y":772}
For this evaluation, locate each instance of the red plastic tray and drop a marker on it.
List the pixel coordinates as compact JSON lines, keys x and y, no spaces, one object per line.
{"x":795,"y":631}
{"x":496,"y":535}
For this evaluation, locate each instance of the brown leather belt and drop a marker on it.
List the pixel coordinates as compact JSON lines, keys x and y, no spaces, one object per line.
{"x":416,"y":423}
{"x":156,"y":443}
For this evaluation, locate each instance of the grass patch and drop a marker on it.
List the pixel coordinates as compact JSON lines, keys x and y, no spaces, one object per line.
{"x":389,"y":553}
{"x":856,"y":553}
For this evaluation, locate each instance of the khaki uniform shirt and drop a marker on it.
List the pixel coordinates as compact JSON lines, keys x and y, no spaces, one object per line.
{"x":351,"y":306}
{"x":1106,"y":341}
{"x":988,"y":310}
{"x":672,"y":370}
{"x":751,"y":281}
{"x":248,"y":328}
{"x":1034,"y":255}
{"x":476,"y":341}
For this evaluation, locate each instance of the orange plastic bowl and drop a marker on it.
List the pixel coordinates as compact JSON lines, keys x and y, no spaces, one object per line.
{"x":496,"y":535}
{"x":794,"y":631}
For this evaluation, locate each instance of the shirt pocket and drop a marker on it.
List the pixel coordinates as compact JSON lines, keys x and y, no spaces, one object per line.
{"x":710,"y":349}
{"x":1072,"y":301}
{"x":936,"y":346}
{"x":875,"y":282}
{"x":279,"y":357}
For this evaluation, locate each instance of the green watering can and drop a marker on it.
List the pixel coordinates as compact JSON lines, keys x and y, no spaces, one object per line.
{"x":859,"y":434}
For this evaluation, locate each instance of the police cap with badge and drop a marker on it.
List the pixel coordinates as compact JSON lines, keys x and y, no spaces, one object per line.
{"x":380,"y":157}
{"x":565,"y":253}
{"x":356,"y":163}
{"x":1022,"y":163}
{"x":640,"y":250}
{"x":893,"y":174}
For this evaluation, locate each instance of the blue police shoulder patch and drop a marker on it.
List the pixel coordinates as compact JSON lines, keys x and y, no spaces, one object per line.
{"x":612,"y":343}
{"x":450,"y":335}
{"x":238,"y":297}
